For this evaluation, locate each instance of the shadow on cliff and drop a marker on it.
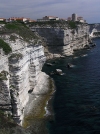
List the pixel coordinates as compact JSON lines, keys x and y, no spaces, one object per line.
{"x":53,"y":38}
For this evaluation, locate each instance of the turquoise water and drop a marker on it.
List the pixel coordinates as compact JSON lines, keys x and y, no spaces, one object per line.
{"x":77,"y":98}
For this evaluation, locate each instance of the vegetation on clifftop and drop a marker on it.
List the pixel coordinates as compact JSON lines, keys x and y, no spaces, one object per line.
{"x":72,"y":24}
{"x":21,"y":29}
{"x":61,"y":24}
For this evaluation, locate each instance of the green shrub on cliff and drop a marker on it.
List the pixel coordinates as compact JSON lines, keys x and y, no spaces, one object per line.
{"x":3,"y":75}
{"x":16,"y":56}
{"x":13,"y":38}
{"x":72,"y":24}
{"x":6,"y":48}
{"x":12,"y":26}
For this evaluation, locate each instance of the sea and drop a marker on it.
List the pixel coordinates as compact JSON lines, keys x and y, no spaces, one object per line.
{"x":76,"y":102}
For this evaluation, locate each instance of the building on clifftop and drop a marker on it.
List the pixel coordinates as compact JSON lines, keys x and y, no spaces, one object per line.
{"x":74,"y":17}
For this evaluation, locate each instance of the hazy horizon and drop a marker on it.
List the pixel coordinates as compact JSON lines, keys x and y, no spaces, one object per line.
{"x":89,"y":10}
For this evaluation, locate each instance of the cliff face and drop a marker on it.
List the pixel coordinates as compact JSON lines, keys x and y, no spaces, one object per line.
{"x":5,"y":98}
{"x":20,"y":71}
{"x":64,"y":40}
{"x":24,"y":76}
{"x":94,"y":30}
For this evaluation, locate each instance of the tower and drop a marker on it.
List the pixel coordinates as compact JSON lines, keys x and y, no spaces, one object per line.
{"x":74,"y":17}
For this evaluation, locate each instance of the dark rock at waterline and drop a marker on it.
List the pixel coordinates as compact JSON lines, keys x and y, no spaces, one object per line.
{"x":52,"y":73}
{"x":93,"y":45}
{"x":49,"y":64}
{"x":59,"y":71}
{"x":69,"y":65}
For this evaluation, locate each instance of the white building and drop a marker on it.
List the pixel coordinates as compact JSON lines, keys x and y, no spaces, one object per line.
{"x":80,"y":19}
{"x":2,"y":19}
{"x":50,"y":18}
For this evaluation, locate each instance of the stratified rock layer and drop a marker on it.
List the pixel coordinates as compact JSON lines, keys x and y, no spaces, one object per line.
{"x":20,"y":71}
{"x":63,"y":40}
{"x":23,"y":67}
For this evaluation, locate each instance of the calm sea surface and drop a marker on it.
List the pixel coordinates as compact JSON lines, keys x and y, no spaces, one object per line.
{"x":77,"y":98}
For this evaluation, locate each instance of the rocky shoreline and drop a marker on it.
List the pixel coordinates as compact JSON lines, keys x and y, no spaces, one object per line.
{"x":28,"y":88}
{"x":36,"y":109}
{"x":35,"y":115}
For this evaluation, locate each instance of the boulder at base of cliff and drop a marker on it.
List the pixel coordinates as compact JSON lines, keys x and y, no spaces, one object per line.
{"x":59,"y":71}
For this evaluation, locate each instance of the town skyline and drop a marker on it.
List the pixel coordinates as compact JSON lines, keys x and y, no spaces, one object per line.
{"x":63,"y":9}
{"x":74,"y":17}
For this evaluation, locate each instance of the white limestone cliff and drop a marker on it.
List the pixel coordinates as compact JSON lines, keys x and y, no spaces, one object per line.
{"x":23,"y":66}
{"x":20,"y":71}
{"x":94,"y":30}
{"x":63,"y":40}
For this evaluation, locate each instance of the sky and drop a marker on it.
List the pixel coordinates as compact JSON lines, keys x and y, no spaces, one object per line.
{"x":36,"y":9}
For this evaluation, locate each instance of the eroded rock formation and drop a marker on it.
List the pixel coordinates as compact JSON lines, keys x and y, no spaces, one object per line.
{"x":94,"y":30}
{"x":22,"y":67}
{"x":20,"y":71}
{"x":63,"y":40}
